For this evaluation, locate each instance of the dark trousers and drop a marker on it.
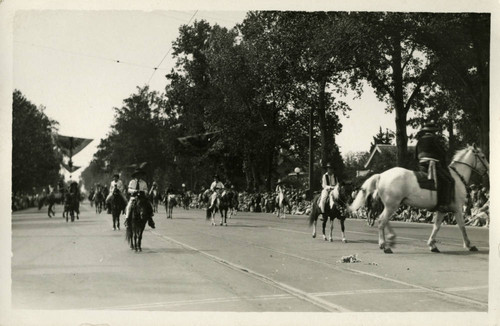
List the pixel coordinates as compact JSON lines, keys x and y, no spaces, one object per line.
{"x":445,"y":182}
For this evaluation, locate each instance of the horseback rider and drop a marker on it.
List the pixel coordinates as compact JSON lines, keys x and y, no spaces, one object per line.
{"x":328,"y":182}
{"x":118,"y":184}
{"x":280,"y":189}
{"x":216,"y":187}
{"x":153,"y":188}
{"x":431,"y":154}
{"x":136,"y":185}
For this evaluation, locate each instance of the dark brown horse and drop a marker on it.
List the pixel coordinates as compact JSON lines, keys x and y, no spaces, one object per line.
{"x":140,"y":213}
{"x":221,"y":205}
{"x":335,"y":211}
{"x":117,"y":206}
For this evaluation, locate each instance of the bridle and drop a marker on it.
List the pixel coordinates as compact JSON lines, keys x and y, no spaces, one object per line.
{"x":472,"y":167}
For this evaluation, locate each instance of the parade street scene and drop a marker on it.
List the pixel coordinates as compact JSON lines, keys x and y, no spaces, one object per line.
{"x":224,"y":164}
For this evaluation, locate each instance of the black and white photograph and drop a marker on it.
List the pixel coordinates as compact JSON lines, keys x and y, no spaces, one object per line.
{"x":254,"y":164}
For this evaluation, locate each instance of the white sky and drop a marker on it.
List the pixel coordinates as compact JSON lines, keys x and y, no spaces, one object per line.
{"x":65,"y":60}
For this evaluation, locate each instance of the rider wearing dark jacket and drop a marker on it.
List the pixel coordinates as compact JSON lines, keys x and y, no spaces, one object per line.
{"x":431,"y":150}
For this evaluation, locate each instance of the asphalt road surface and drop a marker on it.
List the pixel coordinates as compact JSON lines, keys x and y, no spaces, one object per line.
{"x":258,"y":263}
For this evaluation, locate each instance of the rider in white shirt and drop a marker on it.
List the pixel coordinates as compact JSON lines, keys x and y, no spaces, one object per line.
{"x":216,"y":187}
{"x":280,"y":191}
{"x":328,"y":182}
{"x":116,"y":182}
{"x":135,"y":185}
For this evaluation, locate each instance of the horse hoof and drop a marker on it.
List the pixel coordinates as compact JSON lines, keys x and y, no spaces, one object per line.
{"x":435,"y":249}
{"x":473,"y":248}
{"x":388,"y":251}
{"x":331,"y":239}
{"x":314,"y":235}
{"x":324,"y":238}
{"x":381,"y":246}
{"x":344,"y":240}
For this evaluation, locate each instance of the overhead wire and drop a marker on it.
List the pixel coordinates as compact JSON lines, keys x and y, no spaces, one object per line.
{"x":170,"y":49}
{"x":89,"y":55}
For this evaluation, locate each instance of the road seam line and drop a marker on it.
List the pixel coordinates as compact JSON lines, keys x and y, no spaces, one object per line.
{"x":291,"y":290}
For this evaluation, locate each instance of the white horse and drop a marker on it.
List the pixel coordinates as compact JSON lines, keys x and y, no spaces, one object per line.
{"x":399,"y":186}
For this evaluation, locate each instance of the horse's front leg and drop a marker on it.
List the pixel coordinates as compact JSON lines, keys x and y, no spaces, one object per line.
{"x":314,"y":227}
{"x":323,"y":227}
{"x":437,"y":225}
{"x":331,"y":229}
{"x":342,"y":229}
{"x":461,"y":225}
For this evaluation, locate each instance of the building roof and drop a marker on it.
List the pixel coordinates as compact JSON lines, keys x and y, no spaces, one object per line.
{"x":385,"y":150}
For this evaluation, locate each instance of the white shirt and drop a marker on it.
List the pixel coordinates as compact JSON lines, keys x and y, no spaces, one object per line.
{"x":332,"y":180}
{"x":119,"y":185}
{"x":216,"y":185}
{"x":132,"y":186}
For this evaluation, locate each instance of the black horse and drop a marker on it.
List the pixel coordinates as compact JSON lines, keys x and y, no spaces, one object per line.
{"x":99,"y":201}
{"x":335,"y":211}
{"x":70,"y":206}
{"x":185,"y":200}
{"x":117,"y":206}
{"x":51,"y":199}
{"x":140,"y":213}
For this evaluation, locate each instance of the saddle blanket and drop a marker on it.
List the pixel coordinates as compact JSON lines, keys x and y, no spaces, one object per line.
{"x":424,"y":182}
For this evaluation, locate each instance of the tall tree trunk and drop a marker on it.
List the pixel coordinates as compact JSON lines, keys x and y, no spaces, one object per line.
{"x":452,"y":140}
{"x":326,"y":140}
{"x":401,"y":112}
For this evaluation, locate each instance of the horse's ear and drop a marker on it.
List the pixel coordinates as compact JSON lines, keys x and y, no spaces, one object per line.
{"x":474,"y":145}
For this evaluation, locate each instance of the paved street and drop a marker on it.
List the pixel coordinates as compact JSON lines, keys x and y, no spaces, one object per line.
{"x":257,"y":263}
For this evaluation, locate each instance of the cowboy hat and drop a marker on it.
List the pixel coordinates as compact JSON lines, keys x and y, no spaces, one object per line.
{"x":430,"y":126}
{"x":138,"y":172}
{"x":328,"y":165}
{"x":116,"y":175}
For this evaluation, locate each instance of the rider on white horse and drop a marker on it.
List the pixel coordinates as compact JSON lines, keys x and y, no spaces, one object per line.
{"x":431,"y":154}
{"x":328,"y":182}
{"x":115,"y":183}
{"x":138,"y":184}
{"x":217,"y":187}
{"x":280,"y":192}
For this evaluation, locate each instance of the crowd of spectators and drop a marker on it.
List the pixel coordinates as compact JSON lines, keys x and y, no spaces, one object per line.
{"x":476,"y":211}
{"x":23,"y":201}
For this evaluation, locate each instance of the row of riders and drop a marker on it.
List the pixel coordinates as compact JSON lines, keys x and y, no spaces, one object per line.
{"x":70,"y":198}
{"x":433,"y":188}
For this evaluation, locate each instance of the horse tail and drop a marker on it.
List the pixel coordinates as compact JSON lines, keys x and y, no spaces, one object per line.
{"x":128,"y":233}
{"x":367,"y":189}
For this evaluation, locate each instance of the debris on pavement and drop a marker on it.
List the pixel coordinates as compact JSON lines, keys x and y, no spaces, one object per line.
{"x":349,"y":259}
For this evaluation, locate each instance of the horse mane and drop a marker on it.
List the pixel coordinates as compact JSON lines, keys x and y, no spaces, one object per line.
{"x":459,"y":153}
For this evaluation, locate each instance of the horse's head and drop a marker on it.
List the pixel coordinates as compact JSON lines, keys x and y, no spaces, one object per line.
{"x":474,"y":158}
{"x":142,"y":208}
{"x":116,"y":191}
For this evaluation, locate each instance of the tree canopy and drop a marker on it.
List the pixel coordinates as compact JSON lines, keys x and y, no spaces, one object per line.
{"x":35,"y":159}
{"x":242,"y":99}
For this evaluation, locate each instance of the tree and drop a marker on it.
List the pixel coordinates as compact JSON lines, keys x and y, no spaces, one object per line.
{"x":461,"y":44}
{"x":383,"y":138}
{"x":35,"y":160}
{"x":395,"y":65}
